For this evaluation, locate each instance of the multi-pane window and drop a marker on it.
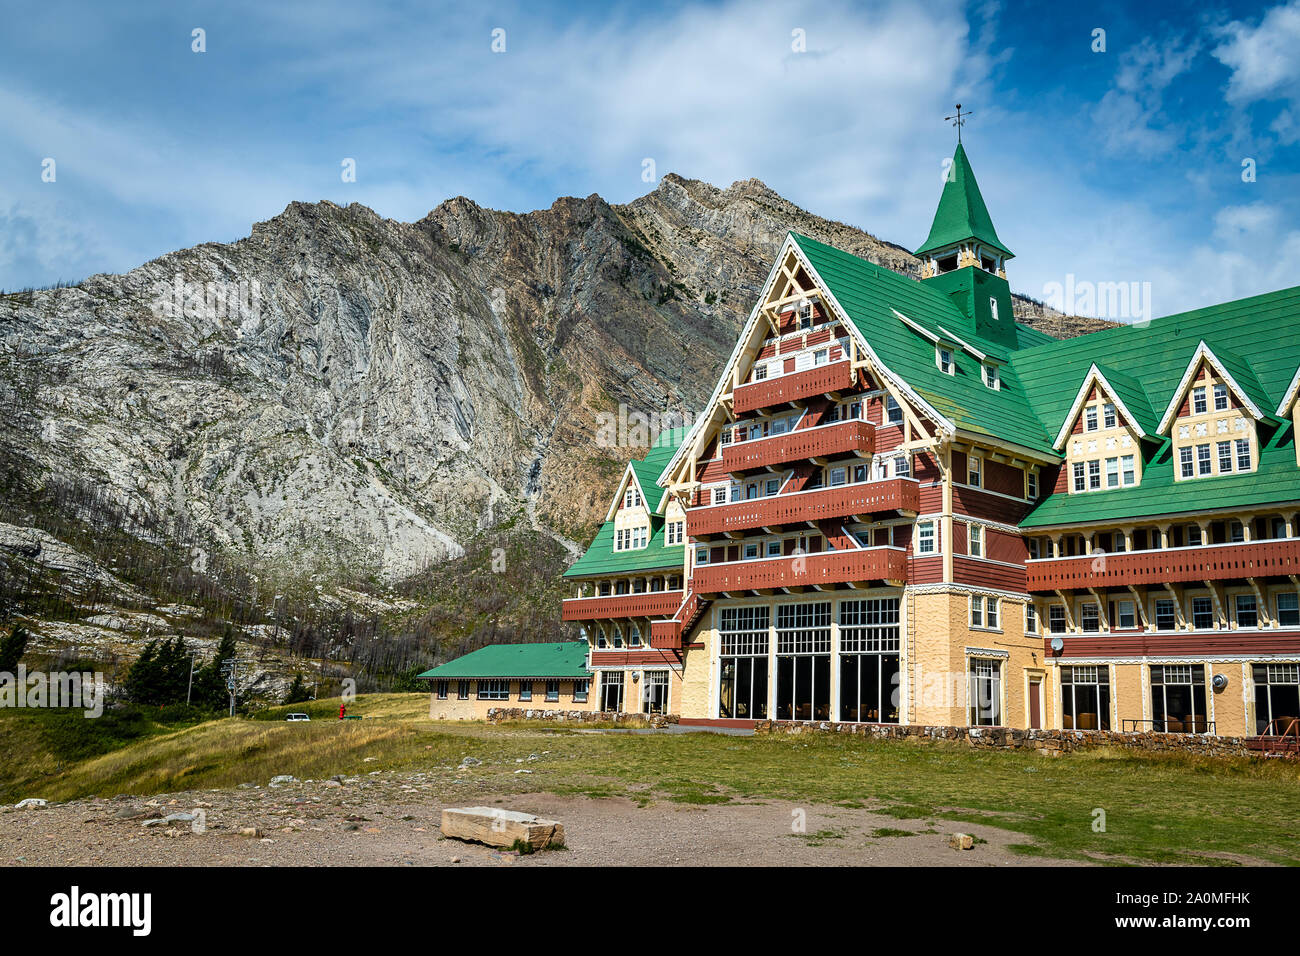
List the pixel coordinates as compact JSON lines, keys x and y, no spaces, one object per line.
{"x":1125,"y":616}
{"x":1203,"y":459}
{"x":893,"y":411}
{"x":1108,"y":415}
{"x":925,"y":543}
{"x":580,"y":690}
{"x":1220,"y":397}
{"x":1277,"y":697}
{"x":525,"y":690}
{"x":611,"y":691}
{"x":462,"y":690}
{"x":1225,"y":457}
{"x":991,"y":376}
{"x":1247,"y":611}
{"x":1056,"y":618}
{"x":1202,"y":613}
{"x":1031,"y":485}
{"x":1031,"y":618}
{"x":441,"y":689}
{"x":803,"y":662}
{"x":1185,"y":461}
{"x":1178,"y":698}
{"x":1094,"y":475}
{"x":973,"y":474}
{"x":902,"y":467}
{"x":676,"y":532}
{"x":985,"y":705}
{"x":744,"y":642}
{"x":494,"y":690}
{"x":976,"y":541}
{"x":1198,"y":400}
{"x":1090,"y":617}
{"x":869,"y":658}
{"x":1079,"y":480}
{"x":1112,"y":472}
{"x":983,"y":611}
{"x":1243,"y":454}
{"x":1166,"y":618}
{"x":1090,"y":418}
{"x":654,"y":692}
{"x":944,"y":360}
{"x":1128,"y":469}
{"x":1288,"y":610}
{"x":1085,"y":698}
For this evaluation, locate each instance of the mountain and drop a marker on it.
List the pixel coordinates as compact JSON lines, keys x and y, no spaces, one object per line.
{"x":353,"y":401}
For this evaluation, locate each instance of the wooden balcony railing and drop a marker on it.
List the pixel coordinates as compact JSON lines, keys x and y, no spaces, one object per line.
{"x":668,"y":633}
{"x":827,"y":567}
{"x":842,"y":438}
{"x":835,"y":377}
{"x":1216,"y":562}
{"x":868,"y":497}
{"x":648,"y":604}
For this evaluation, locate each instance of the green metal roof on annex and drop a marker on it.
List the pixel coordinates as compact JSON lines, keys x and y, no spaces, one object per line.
{"x":562,"y":659}
{"x":962,"y":214}
{"x":600,"y":558}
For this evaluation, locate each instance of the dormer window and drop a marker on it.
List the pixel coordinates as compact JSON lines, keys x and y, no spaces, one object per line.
{"x":1090,"y":418}
{"x":991,"y":378}
{"x":1220,"y":397}
{"x":947,"y":263}
{"x":632,"y":498}
{"x":943,"y":358}
{"x":805,"y":314}
{"x":1198,"y":400}
{"x":1108,"y":415}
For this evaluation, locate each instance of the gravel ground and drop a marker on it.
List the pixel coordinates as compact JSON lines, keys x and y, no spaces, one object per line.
{"x":391,"y":819}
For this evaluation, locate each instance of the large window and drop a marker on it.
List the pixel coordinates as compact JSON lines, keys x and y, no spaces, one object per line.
{"x":1247,"y":610}
{"x":654,"y":692}
{"x":1288,"y":608}
{"x":494,"y":690}
{"x":1178,"y":698}
{"x":1277,"y":696}
{"x":985,"y":704}
{"x":925,"y":543}
{"x":611,"y":691}
{"x":743,"y":648}
{"x":803,"y":662}
{"x":869,"y":672}
{"x":580,"y":690}
{"x":1085,"y":698}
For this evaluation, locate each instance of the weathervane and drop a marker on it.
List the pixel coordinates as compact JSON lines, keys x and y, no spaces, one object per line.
{"x":959,"y":120}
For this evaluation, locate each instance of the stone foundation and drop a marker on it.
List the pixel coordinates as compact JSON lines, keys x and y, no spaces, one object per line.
{"x":496,"y":715}
{"x":1047,"y":742}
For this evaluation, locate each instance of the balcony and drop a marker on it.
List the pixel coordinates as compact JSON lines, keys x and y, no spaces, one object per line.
{"x":827,"y":567}
{"x":843,"y":438}
{"x":1216,"y":562}
{"x":649,"y":604}
{"x":668,"y":633}
{"x":868,"y":497}
{"x":794,"y":387}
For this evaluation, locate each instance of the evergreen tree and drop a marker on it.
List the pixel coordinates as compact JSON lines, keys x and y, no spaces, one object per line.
{"x":12,"y":649}
{"x":297,"y":691}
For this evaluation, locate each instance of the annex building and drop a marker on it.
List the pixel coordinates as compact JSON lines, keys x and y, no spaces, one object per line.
{"x":903,"y":506}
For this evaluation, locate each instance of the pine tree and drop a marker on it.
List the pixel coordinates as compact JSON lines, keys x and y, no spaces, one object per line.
{"x":297,"y":691}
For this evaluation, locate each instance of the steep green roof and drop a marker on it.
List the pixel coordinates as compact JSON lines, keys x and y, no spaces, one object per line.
{"x":1150,"y":360}
{"x":870,"y":294}
{"x":600,"y":558}
{"x":962,"y":214}
{"x":563,"y":659}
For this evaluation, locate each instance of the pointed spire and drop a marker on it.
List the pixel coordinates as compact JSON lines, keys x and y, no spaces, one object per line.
{"x":962,"y":214}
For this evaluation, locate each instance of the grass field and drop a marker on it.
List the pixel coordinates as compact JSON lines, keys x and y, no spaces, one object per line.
{"x":1162,"y":809}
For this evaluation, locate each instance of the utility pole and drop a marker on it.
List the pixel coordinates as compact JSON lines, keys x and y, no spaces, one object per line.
{"x":189,"y":690}
{"x":230,"y":667}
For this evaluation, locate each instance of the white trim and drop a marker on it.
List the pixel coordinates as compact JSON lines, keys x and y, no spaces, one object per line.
{"x":1292,"y":392}
{"x":982,"y":356}
{"x":1095,"y":375}
{"x":1203,"y":351}
{"x":1187,"y":547}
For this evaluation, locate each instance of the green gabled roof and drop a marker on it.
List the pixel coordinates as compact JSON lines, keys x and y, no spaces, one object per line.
{"x":562,"y":659}
{"x":962,"y":214}
{"x":656,"y":460}
{"x":1154,"y":357}
{"x":1130,"y":391}
{"x":869,"y":295}
{"x":600,"y":558}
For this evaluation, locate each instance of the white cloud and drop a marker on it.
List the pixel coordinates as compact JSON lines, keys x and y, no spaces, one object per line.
{"x":1264,"y":58}
{"x":1130,"y":115}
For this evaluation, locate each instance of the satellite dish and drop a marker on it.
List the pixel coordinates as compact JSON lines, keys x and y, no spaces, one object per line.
{"x":1058,"y":645}
{"x":1220,"y":681}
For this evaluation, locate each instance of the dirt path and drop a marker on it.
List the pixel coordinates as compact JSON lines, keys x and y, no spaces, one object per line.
{"x":391,"y":819}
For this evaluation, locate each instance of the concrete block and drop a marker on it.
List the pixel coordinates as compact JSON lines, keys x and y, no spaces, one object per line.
{"x":497,"y":827}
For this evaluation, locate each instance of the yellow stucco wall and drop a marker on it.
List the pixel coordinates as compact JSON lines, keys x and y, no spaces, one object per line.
{"x":452,"y":708}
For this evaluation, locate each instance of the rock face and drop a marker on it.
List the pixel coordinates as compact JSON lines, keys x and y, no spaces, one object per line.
{"x":344,"y":394}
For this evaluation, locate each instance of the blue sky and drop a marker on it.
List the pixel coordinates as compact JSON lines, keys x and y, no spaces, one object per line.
{"x":1122,"y":165}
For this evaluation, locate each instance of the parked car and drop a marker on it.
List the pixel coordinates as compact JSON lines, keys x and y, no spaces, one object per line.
{"x":298,"y":717}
